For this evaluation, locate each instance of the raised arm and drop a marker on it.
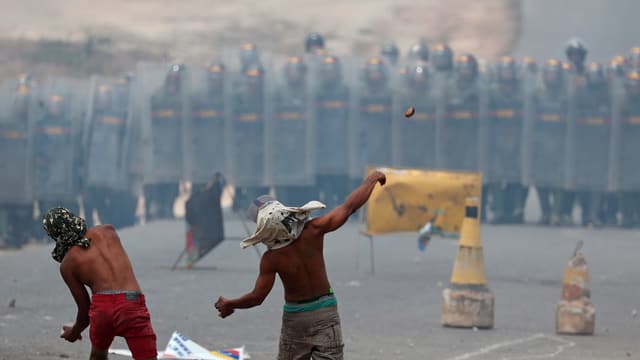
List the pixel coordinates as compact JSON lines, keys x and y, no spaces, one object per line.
{"x":338,"y":216}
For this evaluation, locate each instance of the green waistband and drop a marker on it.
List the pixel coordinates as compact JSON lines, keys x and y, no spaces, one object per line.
{"x":319,"y":303}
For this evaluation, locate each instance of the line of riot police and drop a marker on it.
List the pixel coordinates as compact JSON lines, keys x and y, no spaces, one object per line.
{"x":308,"y":126}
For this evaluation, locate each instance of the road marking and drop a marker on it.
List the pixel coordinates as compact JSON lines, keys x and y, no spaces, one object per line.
{"x":485,"y":350}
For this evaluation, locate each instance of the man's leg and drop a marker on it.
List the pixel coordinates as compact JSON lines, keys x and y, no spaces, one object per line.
{"x":595,"y":204}
{"x":327,"y":338}
{"x":293,"y":344}
{"x":97,"y":354}
{"x":545,"y":205}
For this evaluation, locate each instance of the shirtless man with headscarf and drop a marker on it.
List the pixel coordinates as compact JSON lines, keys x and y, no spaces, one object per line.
{"x":95,"y":258}
{"x":310,"y":322}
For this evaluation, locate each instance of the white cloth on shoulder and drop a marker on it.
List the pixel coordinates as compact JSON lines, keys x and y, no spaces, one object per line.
{"x":278,"y":226}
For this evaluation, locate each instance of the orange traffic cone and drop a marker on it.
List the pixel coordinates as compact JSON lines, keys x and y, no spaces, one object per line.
{"x":468,"y":302}
{"x":575,"y":313}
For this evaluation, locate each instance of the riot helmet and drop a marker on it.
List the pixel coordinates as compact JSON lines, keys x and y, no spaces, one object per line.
{"x":466,"y":68}
{"x":576,"y":53}
{"x":442,"y":57}
{"x":313,"y":41}
{"x":419,"y":52}
{"x":390,"y":51}
{"x":173,"y":80}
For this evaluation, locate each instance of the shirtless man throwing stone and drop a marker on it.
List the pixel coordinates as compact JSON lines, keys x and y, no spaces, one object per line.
{"x":310,"y":322}
{"x":96,"y":258}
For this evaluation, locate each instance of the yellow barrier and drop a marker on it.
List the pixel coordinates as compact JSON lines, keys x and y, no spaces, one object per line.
{"x":412,"y":197}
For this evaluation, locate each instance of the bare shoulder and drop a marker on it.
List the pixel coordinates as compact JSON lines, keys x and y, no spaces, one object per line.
{"x":102,"y":231}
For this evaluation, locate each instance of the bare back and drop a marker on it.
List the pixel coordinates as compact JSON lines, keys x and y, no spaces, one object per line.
{"x":104,"y":265}
{"x":301,"y":266}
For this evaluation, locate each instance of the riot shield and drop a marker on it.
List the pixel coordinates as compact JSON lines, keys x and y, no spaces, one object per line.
{"x":589,"y":139}
{"x":15,"y":143}
{"x":289,"y":136}
{"x":625,"y":145}
{"x":414,"y":137}
{"x":332,"y":124}
{"x":205,"y":148}
{"x":58,"y":139}
{"x":458,"y":114}
{"x":504,"y":136}
{"x":247,"y":156}
{"x":162,"y":116}
{"x":105,"y":131}
{"x":546,"y":166}
{"x":373,"y":126}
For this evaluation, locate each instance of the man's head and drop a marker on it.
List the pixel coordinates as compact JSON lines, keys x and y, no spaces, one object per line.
{"x":259,"y":202}
{"x":278,"y":225}
{"x":66,"y":229}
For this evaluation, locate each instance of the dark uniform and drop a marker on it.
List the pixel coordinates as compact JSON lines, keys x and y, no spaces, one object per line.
{"x":291,"y":165}
{"x":549,"y":131}
{"x":332,"y":127}
{"x":166,"y":133}
{"x":504,"y":143}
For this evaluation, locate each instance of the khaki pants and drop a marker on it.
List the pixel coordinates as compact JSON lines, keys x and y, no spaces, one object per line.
{"x":311,"y":335}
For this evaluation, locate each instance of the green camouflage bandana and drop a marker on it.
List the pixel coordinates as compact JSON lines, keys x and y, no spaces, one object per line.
{"x":66,"y":229}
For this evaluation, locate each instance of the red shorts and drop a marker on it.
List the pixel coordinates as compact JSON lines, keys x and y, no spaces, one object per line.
{"x":124,"y":315}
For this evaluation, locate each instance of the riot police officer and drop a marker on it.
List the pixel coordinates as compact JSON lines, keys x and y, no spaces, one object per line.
{"x":107,"y":126}
{"x":332,"y":99}
{"x":414,"y":144}
{"x":247,"y":160}
{"x":207,"y":126}
{"x":290,"y":165}
{"x":590,"y":148}
{"x":374,"y":118}
{"x":504,"y":143}
{"x":16,"y":202}
{"x":167,"y":108}
{"x":442,"y":58}
{"x":459,"y":146}
{"x":629,"y":173}
{"x":549,"y":131}
{"x":57,"y":153}
{"x":577,"y":55}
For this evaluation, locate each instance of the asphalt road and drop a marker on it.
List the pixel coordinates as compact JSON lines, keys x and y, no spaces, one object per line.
{"x":392,"y":314}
